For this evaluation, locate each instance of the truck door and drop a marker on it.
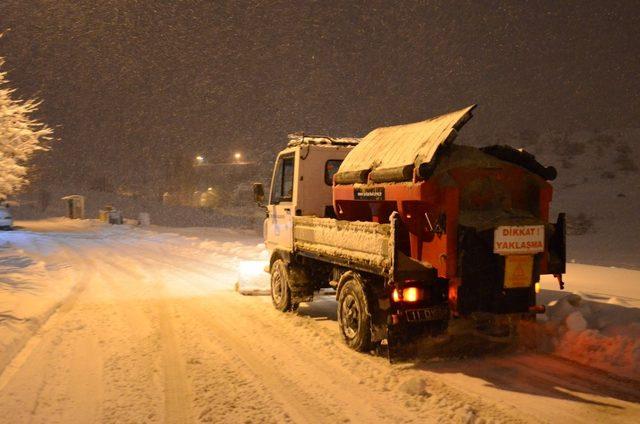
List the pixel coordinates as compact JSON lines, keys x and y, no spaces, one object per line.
{"x":279,"y":224}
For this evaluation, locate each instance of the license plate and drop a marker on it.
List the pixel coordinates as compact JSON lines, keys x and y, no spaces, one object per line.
{"x":518,"y":240}
{"x":518,"y":271}
{"x":435,"y":313}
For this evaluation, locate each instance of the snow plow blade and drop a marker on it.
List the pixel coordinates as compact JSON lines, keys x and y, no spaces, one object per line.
{"x":251,"y":291}
{"x":252,"y":279}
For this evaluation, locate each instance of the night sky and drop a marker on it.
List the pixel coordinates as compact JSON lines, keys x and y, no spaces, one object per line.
{"x":128,"y":84}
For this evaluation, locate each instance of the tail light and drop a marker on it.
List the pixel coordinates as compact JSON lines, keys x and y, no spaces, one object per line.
{"x":396,"y":295}
{"x":408,"y":294}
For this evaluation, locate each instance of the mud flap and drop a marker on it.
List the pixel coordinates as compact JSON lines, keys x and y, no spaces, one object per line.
{"x":300,"y":285}
{"x":406,"y":342}
{"x":558,"y":247}
{"x":400,"y":345}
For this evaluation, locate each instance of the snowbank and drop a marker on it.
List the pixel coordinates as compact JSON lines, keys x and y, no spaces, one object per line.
{"x":33,"y":283}
{"x":601,"y":335}
{"x":596,"y":321}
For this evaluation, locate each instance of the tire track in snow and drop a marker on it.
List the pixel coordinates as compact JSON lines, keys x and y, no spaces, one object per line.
{"x":176,"y":387}
{"x":307,"y":383}
{"x":458,"y":397}
{"x":157,"y":305}
{"x":281,"y":387}
{"x":297,"y":401}
{"x":56,"y":314}
{"x":289,"y":395}
{"x":229,"y":316}
{"x":148,"y":303}
{"x":357,"y":372}
{"x":46,"y":343}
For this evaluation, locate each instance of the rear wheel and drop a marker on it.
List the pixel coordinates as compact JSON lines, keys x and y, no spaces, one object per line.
{"x":280,"y":290}
{"x":353,"y":315}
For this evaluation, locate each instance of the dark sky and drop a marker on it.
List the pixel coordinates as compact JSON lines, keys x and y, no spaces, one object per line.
{"x":127,"y":84}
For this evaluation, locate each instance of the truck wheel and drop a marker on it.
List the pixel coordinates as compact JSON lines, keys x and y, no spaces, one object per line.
{"x":353,"y":316}
{"x":280,"y":292}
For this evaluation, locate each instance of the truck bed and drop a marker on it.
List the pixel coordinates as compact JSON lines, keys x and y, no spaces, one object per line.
{"x":367,"y":246}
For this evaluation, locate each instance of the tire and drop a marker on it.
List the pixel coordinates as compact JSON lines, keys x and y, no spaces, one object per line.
{"x":280,"y":291}
{"x":354,"y":317}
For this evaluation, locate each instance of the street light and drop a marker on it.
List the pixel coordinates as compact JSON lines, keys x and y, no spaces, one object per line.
{"x":237,"y":156}
{"x":199,"y":160}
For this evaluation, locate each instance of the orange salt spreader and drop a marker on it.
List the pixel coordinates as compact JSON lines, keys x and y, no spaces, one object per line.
{"x":473,"y":223}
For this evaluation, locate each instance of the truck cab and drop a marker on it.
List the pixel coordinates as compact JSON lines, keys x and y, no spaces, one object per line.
{"x":301,"y":184}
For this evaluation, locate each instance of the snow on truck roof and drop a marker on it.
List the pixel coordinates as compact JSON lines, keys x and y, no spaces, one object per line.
{"x":391,"y":153}
{"x":297,"y":139}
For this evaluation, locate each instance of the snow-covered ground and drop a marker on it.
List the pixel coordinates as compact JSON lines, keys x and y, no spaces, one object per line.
{"x":104,"y":323}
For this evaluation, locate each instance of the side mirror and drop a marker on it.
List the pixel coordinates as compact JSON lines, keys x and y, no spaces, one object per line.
{"x":258,"y":193}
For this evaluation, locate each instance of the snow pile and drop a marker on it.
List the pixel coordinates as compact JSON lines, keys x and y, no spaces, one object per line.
{"x":33,"y":283}
{"x":415,"y":386}
{"x":601,"y":335}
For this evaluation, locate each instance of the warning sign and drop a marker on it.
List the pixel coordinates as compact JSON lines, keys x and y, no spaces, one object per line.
{"x":518,"y":271}
{"x":518,"y":240}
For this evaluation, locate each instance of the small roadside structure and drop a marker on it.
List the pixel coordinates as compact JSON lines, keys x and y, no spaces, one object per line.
{"x":115,"y":217}
{"x":110,"y":215}
{"x":144,"y":219}
{"x":103,"y":214}
{"x":75,"y":206}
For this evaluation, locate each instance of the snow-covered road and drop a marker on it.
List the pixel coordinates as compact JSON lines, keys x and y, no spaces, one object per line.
{"x":144,"y":326}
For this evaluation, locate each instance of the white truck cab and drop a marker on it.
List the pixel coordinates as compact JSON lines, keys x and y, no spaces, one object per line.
{"x":301,"y":184}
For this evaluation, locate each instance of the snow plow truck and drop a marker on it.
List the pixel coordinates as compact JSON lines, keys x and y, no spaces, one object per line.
{"x":411,"y":230}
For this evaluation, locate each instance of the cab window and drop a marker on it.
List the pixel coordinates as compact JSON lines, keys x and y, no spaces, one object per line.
{"x":282,"y":187}
{"x":330,"y":169}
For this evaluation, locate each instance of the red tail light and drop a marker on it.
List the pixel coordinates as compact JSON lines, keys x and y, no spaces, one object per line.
{"x":408,"y":294}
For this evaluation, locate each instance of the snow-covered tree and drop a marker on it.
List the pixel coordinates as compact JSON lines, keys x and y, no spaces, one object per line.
{"x":20,"y":137}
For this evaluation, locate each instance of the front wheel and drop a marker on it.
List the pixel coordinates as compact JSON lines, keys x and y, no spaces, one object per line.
{"x":280,"y":291}
{"x":353,"y":315}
